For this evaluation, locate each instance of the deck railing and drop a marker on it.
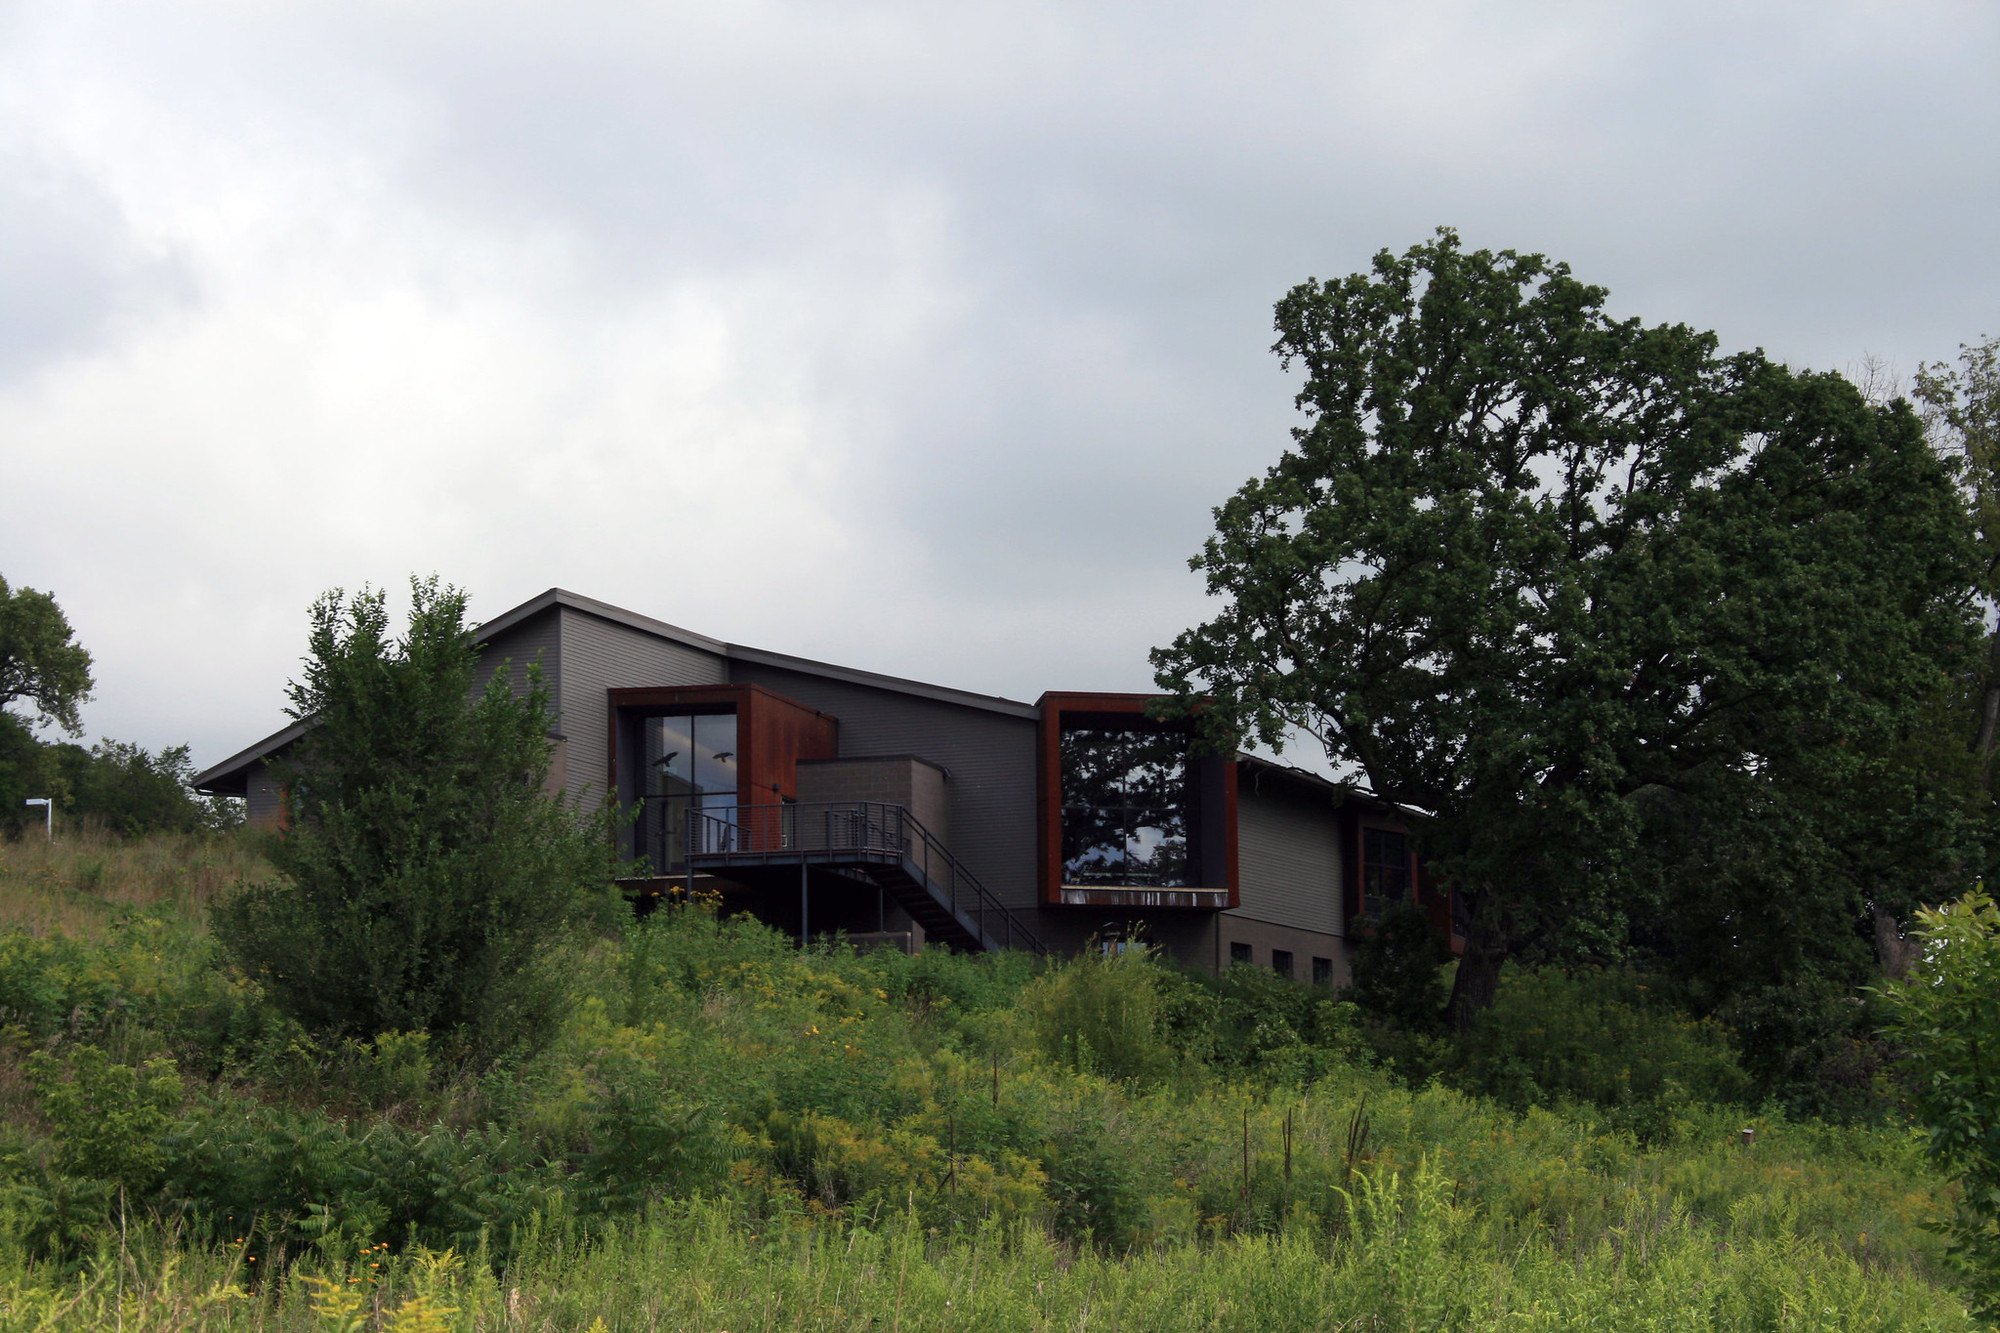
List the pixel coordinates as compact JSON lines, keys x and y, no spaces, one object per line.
{"x":865,"y":829}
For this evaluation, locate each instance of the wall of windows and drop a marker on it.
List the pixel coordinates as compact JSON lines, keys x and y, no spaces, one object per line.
{"x":1128,"y":807}
{"x":684,"y":763}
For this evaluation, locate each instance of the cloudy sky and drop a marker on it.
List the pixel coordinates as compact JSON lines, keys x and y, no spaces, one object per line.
{"x":918,"y":337}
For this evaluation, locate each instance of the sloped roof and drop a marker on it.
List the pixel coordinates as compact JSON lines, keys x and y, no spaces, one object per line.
{"x":230,"y":777}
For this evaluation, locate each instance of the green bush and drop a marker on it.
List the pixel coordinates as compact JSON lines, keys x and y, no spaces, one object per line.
{"x":428,"y":883}
{"x":1276,"y":1029}
{"x":1398,"y":973}
{"x":1099,"y":1012}
{"x":109,"y":1118}
{"x":1599,"y":1039}
{"x":1948,"y":1015}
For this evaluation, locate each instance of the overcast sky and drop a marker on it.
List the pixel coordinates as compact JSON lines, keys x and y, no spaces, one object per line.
{"x":915,"y":337}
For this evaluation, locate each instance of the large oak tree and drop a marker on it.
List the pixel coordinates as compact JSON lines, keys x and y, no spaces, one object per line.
{"x":1536,"y":573}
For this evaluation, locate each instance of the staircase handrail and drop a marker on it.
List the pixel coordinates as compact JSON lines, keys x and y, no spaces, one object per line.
{"x":879,"y":826}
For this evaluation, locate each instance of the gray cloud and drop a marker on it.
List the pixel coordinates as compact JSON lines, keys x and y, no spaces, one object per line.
{"x":733,"y":314}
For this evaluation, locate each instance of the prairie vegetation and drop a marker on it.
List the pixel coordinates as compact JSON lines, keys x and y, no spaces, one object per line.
{"x":725,"y":1132}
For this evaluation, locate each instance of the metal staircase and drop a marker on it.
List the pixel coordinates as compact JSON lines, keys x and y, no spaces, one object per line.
{"x":869,"y":841}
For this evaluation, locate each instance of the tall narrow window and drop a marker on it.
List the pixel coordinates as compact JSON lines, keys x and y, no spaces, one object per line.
{"x":687,"y":772}
{"x":1385,"y":869}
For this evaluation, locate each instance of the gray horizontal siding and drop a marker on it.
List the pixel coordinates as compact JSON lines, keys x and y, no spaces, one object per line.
{"x":264,"y":801}
{"x":989,"y":756}
{"x":598,"y":655}
{"x":533,"y":641}
{"x":1288,"y":856}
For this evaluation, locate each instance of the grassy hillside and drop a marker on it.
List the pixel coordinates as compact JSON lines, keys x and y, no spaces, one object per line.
{"x":732,"y":1134}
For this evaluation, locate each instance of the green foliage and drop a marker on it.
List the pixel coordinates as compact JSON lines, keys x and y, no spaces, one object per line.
{"x":427,"y":882}
{"x":1270,"y":1027}
{"x":1099,"y":1012}
{"x":113,"y":786}
{"x":1526,"y":565}
{"x":1397,"y":974}
{"x":1948,"y":1015}
{"x":1962,"y":404}
{"x":40,"y":660}
{"x":727,"y":1131}
{"x":1600,"y":1039}
{"x":108,"y":1118}
{"x":132,"y":792}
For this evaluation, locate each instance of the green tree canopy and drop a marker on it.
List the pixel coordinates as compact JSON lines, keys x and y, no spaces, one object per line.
{"x":428,"y":882}
{"x":40,"y":660}
{"x":1962,"y":408}
{"x":1531,"y":570}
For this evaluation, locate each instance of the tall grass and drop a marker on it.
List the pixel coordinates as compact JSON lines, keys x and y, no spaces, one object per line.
{"x":1411,"y":1256}
{"x":731,"y":1133}
{"x":81,"y":882}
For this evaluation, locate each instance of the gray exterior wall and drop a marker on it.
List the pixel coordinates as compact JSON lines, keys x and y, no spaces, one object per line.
{"x":532,"y":642}
{"x":598,"y":655}
{"x":1288,"y":855}
{"x":263,"y":802}
{"x":989,"y":758}
{"x":1304,"y":946}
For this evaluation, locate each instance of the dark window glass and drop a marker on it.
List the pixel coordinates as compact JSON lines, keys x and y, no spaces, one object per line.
{"x":1322,"y":971}
{"x":687,"y":785}
{"x":1239,"y":952}
{"x":1126,"y":807}
{"x":1281,"y":962}
{"x":1385,"y":869}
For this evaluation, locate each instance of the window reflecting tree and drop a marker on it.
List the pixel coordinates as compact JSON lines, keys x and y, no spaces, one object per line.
{"x":1126,"y":807}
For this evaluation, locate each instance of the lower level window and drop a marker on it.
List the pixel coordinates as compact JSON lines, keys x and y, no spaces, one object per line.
{"x":1239,"y":952}
{"x":1322,"y":971}
{"x":1281,"y":962}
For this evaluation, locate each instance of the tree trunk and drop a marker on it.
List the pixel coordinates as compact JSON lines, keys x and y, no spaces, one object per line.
{"x":1477,"y":980}
{"x":1893,"y":950}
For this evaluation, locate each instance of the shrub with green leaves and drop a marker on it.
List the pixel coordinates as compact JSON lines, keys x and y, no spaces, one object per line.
{"x":1099,"y":1012}
{"x":1397,"y":969}
{"x":1948,"y":1016}
{"x":1597,"y":1038}
{"x":428,"y":882}
{"x":109,"y":1118}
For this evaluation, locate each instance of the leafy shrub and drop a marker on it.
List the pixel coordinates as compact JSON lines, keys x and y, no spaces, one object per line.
{"x":1099,"y":1012}
{"x":1810,"y":1046}
{"x":1596,"y":1038}
{"x":1096,"y":1184}
{"x":1397,"y":970}
{"x":428,"y":881}
{"x":646,"y":1139}
{"x":309,"y":1178}
{"x":108,"y":1118}
{"x":55,"y":984}
{"x":1948,"y":1014}
{"x":1278,"y":1029}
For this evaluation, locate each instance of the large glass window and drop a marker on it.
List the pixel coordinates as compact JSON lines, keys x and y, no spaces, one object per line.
{"x":1127,"y":807}
{"x":687,"y":786}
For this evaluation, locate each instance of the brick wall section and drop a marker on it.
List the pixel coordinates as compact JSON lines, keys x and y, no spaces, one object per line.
{"x":917,"y":786}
